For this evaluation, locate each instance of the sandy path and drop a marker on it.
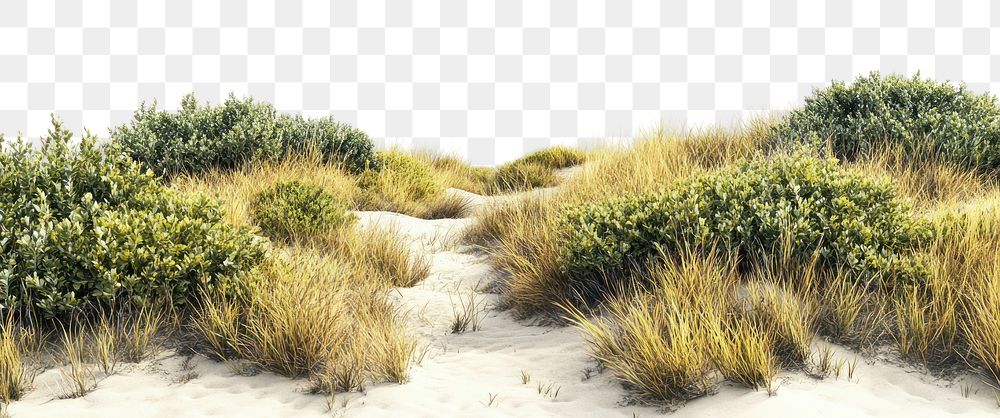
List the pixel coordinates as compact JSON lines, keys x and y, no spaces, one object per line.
{"x":461,"y":372}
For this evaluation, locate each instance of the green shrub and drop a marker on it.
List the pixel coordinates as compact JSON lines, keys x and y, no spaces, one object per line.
{"x":198,"y":138}
{"x":332,"y":140}
{"x":921,"y":115}
{"x":291,"y":210}
{"x":797,"y":204}
{"x":520,"y":176}
{"x":400,"y":178}
{"x":554,"y":157}
{"x":85,"y":226}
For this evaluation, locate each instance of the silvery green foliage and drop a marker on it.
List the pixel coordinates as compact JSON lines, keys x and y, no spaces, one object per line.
{"x":921,"y":115}
{"x":82,"y":226}
{"x":749,"y":211}
{"x":202,"y":137}
{"x":290,"y":210}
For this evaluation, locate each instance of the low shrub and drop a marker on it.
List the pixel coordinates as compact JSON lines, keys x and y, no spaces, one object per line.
{"x":554,"y":157}
{"x":926,"y":117}
{"x":400,"y":180}
{"x":801,"y":205}
{"x":197,"y":138}
{"x":84,"y":225}
{"x":291,"y":210}
{"x":334,"y":142}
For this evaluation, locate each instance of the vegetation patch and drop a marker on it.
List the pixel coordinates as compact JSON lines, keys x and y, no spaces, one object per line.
{"x":401,"y":182}
{"x":926,"y":118}
{"x":522,"y":176}
{"x":554,"y":157}
{"x":84,"y":226}
{"x":294,"y":210}
{"x":197,"y":137}
{"x":797,"y":204}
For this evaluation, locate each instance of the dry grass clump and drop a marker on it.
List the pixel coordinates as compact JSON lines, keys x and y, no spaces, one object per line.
{"x":961,"y":305}
{"x":981,"y":303}
{"x":926,"y":179}
{"x":453,"y":172}
{"x":18,"y":343}
{"x":527,"y":248}
{"x":401,"y":184}
{"x":382,"y":252}
{"x":659,"y":158}
{"x":520,"y":176}
{"x":789,"y":317}
{"x":555,"y":157}
{"x":78,"y":377}
{"x":311,"y":315}
{"x":675,"y":341}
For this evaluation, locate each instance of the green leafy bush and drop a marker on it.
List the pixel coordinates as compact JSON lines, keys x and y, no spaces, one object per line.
{"x":291,"y":210}
{"x":921,"y":115}
{"x":400,"y":178}
{"x":520,"y":176}
{"x":198,"y":138}
{"x":793,"y":203}
{"x":85,"y":225}
{"x":332,"y":140}
{"x":554,"y":157}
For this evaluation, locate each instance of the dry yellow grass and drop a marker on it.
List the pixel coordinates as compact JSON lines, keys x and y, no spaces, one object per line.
{"x":660,"y":158}
{"x":307,"y":314}
{"x":788,"y":316}
{"x":743,"y":351}
{"x":674,"y":341}
{"x":451,"y":171}
{"x":18,"y":343}
{"x":78,"y":377}
{"x":927,"y":180}
{"x":963,"y":299}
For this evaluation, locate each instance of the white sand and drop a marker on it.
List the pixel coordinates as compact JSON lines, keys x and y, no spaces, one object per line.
{"x":462,"y":371}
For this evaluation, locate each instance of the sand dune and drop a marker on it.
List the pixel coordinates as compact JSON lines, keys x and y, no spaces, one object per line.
{"x":462,"y":372}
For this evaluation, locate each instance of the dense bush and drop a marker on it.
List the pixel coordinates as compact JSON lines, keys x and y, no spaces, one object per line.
{"x":332,"y":140}
{"x":86,"y":225}
{"x":290,"y":210}
{"x":400,"y":178}
{"x":921,"y":115}
{"x":751,"y":210}
{"x":554,"y":157}
{"x":198,"y":138}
